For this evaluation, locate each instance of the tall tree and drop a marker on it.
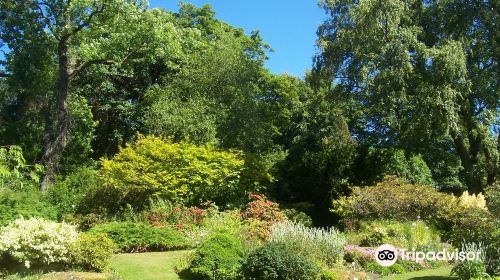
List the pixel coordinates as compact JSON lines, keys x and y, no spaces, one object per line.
{"x":77,"y":35}
{"x":418,"y":74}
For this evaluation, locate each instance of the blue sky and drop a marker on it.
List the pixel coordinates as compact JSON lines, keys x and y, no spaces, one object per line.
{"x":289,"y":26}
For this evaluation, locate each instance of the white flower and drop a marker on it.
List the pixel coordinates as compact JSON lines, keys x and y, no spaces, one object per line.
{"x":37,"y":241}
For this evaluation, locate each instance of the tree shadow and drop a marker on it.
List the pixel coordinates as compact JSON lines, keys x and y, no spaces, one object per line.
{"x":186,"y":275}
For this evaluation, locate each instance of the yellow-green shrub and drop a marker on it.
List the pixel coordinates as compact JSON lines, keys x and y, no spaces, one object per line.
{"x":92,"y":251}
{"x":394,"y":199}
{"x":179,"y":172}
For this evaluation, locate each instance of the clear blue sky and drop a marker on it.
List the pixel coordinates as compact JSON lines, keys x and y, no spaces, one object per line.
{"x":289,"y":26}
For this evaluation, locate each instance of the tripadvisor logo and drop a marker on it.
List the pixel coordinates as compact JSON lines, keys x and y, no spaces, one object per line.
{"x":387,"y":255}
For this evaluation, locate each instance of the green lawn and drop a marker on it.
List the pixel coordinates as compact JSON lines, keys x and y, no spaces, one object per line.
{"x":147,"y":266}
{"x":442,"y":273}
{"x":160,"y":266}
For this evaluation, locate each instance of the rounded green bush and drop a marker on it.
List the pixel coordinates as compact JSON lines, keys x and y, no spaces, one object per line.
{"x":219,"y":257}
{"x":470,"y":270}
{"x":92,"y":251}
{"x":142,"y":237}
{"x":276,"y":261}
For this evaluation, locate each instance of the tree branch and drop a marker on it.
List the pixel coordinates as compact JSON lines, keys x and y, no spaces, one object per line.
{"x":4,"y":75}
{"x":89,"y":63}
{"x":86,"y":23}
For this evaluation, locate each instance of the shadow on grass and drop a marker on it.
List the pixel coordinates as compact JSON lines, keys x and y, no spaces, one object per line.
{"x":186,"y":275}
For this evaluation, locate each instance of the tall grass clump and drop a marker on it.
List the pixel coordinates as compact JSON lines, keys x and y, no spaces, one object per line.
{"x":323,"y":245}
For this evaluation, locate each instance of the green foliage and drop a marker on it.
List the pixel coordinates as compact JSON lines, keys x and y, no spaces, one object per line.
{"x":321,"y":245}
{"x":410,"y":235}
{"x":190,"y":121}
{"x":276,"y":261}
{"x":478,"y":226}
{"x":318,"y":163}
{"x":26,"y":203}
{"x":373,"y":164}
{"x":492,"y":195}
{"x":92,"y":252}
{"x":15,"y":173}
{"x":406,"y":76}
{"x":141,"y":237}
{"x":67,"y":194}
{"x":218,"y":257}
{"x":228,"y":222}
{"x":471,"y":269}
{"x":374,"y":267}
{"x":410,"y":266}
{"x":327,"y":275}
{"x":395,"y":199}
{"x":153,"y":167}
{"x":298,"y":217}
{"x":79,"y":149}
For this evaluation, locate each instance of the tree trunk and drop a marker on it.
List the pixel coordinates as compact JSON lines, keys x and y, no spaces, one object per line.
{"x":58,"y":136}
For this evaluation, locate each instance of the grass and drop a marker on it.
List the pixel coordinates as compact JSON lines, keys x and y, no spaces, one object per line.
{"x":442,"y":273}
{"x":147,"y":266}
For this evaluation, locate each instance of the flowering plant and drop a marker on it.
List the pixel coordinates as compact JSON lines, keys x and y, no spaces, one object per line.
{"x":37,"y":241}
{"x":262,"y":214}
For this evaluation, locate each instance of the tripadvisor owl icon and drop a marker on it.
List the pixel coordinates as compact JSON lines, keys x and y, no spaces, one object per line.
{"x":386,"y":255}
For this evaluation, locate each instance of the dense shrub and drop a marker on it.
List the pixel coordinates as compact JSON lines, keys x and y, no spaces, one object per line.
{"x":262,"y":214}
{"x":373,"y":164}
{"x":358,"y":256}
{"x":277,"y":261}
{"x":219,"y":257}
{"x":37,"y":242}
{"x":408,"y":235}
{"x":374,"y":267}
{"x":26,"y":203}
{"x":467,"y":270}
{"x":298,"y":217}
{"x":179,"y":172}
{"x":106,"y":200}
{"x":474,"y":225}
{"x":394,"y":199}
{"x":492,"y":195}
{"x":84,"y":222}
{"x":92,"y":252}
{"x":67,"y":194}
{"x":142,"y":237}
{"x":162,"y":213}
{"x":228,"y":222}
{"x":325,"y":246}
